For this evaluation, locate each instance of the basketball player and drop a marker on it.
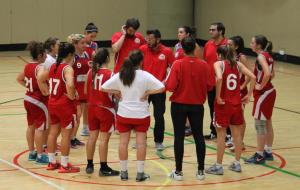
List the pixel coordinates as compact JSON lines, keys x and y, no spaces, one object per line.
{"x":228,"y":106}
{"x":62,"y":108}
{"x":90,"y":33}
{"x":35,"y":103}
{"x":264,"y":99}
{"x":134,"y":86}
{"x":101,"y":113}
{"x":51,"y":45}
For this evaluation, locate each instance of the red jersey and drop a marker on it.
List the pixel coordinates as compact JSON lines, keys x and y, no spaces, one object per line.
{"x":32,"y":88}
{"x":242,"y":77}
{"x":188,"y":80}
{"x":91,"y":49}
{"x":259,"y":73}
{"x":210,"y":56}
{"x":95,"y":96}
{"x":230,"y":91}
{"x":129,"y":44}
{"x":157,"y":62}
{"x":57,"y":86}
{"x":81,"y":68}
{"x":179,"y":53}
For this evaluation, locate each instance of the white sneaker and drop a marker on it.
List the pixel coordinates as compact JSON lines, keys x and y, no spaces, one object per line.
{"x":229,"y":141}
{"x":176,"y":176}
{"x":159,"y":146}
{"x":200,"y":175}
{"x":85,"y":131}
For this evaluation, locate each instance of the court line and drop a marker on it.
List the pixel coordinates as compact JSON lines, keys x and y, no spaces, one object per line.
{"x":32,"y":174}
{"x":8,"y":101}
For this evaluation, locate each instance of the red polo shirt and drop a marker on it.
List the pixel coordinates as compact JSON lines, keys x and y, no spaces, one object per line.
{"x":210,"y":56}
{"x":188,"y":80}
{"x":129,"y":44}
{"x":157,"y":62}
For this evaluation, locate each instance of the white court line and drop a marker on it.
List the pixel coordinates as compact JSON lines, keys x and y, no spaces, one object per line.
{"x":32,"y":174}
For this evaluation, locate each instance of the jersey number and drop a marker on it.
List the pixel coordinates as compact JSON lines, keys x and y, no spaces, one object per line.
{"x":53,"y":83}
{"x":28,"y":84}
{"x":98,"y":80}
{"x":231,"y":82}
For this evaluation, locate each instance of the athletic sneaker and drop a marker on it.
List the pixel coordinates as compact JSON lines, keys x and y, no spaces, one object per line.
{"x":68,"y":169}
{"x":85,"y":131}
{"x":44,"y":160}
{"x":215,"y":170}
{"x":159,"y":146}
{"x":236,"y":167}
{"x":32,"y":156}
{"x":178,"y":176}
{"x":73,"y":144}
{"x":188,"y":131}
{"x":89,"y":169}
{"x":200,"y":175}
{"x":78,"y":142}
{"x":211,"y":136}
{"x":124,"y":175}
{"x":53,"y":166}
{"x":108,"y":172}
{"x":229,"y":141}
{"x":268,"y":156}
{"x":255,"y":159}
{"x":141,"y":177}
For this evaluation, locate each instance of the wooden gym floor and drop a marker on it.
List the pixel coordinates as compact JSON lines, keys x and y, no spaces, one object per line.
{"x":284,"y":172}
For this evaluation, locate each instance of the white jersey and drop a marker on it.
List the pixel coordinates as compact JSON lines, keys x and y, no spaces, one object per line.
{"x":130,"y":105}
{"x":50,"y":60}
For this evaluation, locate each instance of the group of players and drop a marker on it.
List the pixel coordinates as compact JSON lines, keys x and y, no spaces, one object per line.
{"x":67,"y":81}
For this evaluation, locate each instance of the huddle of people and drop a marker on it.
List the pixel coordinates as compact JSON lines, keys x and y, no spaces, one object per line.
{"x":67,"y":81}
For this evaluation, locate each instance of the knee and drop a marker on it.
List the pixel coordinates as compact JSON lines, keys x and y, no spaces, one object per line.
{"x":260,"y":126}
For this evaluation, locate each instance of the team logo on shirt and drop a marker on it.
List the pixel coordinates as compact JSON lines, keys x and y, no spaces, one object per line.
{"x":162,"y":57}
{"x":137,"y":40}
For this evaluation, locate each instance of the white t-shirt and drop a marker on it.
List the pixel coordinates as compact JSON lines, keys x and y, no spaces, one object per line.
{"x":131,"y":106}
{"x":49,"y":61}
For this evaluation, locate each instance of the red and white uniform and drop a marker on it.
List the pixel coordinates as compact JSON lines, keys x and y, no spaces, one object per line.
{"x":101,"y":113}
{"x":34,"y":102}
{"x":231,"y":112}
{"x":129,"y":44}
{"x":157,"y":62}
{"x":91,"y":49}
{"x":179,"y":53}
{"x":264,"y":99}
{"x":62,"y":110}
{"x":210,"y":56}
{"x":81,"y":68}
{"x":244,"y":92}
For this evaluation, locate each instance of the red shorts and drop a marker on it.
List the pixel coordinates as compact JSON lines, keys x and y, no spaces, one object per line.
{"x":126,"y":124}
{"x":101,"y":119}
{"x":80,"y":91}
{"x":263,"y":104}
{"x":65,"y":115}
{"x":226,"y":115}
{"x":37,"y":115}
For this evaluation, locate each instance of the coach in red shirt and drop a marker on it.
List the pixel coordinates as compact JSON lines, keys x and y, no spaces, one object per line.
{"x":188,"y":80}
{"x":125,"y":41}
{"x":157,"y":59}
{"x":217,"y":32}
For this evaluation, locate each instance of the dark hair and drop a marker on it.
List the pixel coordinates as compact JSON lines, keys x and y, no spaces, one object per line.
{"x":227,"y":54}
{"x":188,"y":30}
{"x":220,"y":27}
{"x":64,"y":50}
{"x":239,"y":42}
{"x":50,"y":42}
{"x":155,"y":32}
{"x":264,"y":43}
{"x":36,"y":49}
{"x":99,"y":59}
{"x":133,"y":22}
{"x":90,"y":28}
{"x":132,"y":63}
{"x":188,"y":45}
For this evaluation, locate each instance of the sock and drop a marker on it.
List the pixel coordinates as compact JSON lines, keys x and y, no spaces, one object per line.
{"x":103,"y":165}
{"x":52,"y":158}
{"x":236,"y":162}
{"x":44,"y":146}
{"x":39,"y":156}
{"x":90,"y":162}
{"x":123,"y":165}
{"x":219,"y":165}
{"x":140,"y":166}
{"x":73,"y":138}
{"x":32,"y":152}
{"x":261,"y":153}
{"x":268,"y":149}
{"x":64,"y":160}
{"x":85,"y":126}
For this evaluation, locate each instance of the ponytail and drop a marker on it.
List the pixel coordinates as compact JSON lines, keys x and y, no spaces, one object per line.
{"x":227,"y":54}
{"x":64,"y":50}
{"x":264,"y":43}
{"x":130,"y":65}
{"x":100,"y":58}
{"x":269,"y":47}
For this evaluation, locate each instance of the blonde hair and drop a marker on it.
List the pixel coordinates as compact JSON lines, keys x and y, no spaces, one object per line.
{"x":75,"y":38}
